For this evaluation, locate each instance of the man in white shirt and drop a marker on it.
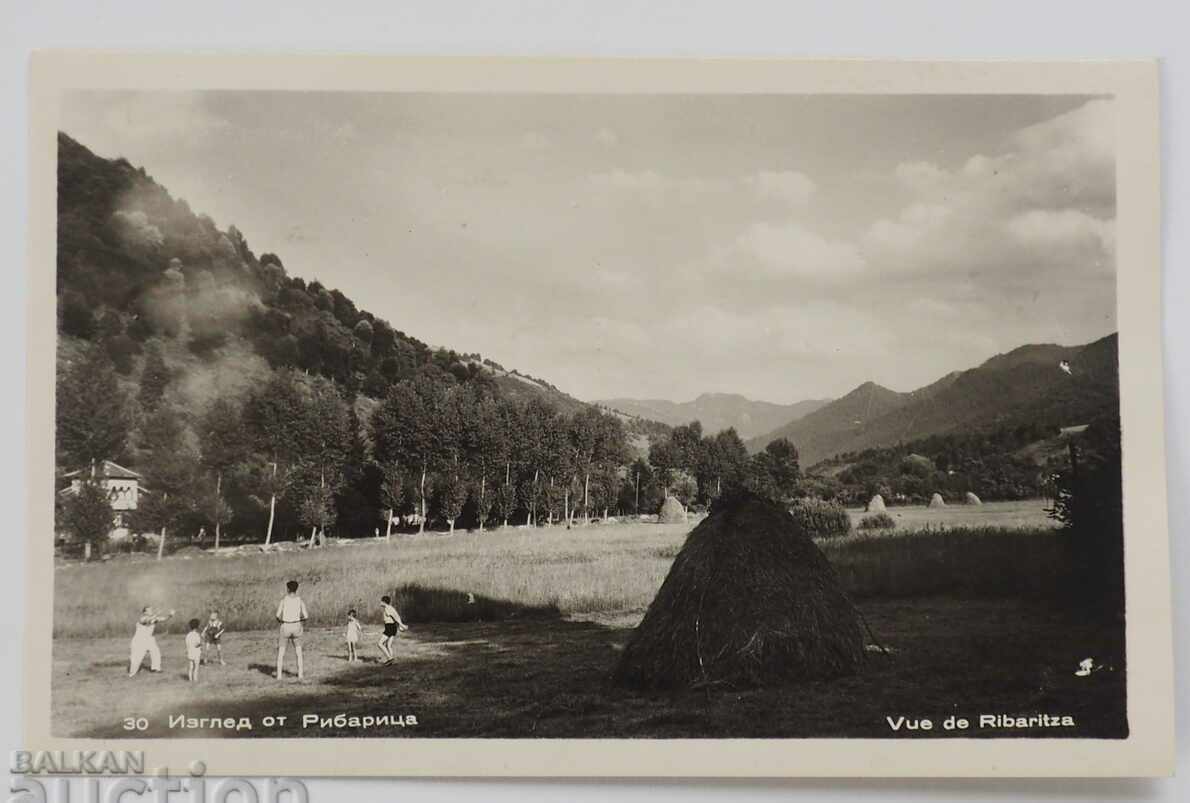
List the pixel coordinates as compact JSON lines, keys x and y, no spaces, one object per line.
{"x":143,"y":641}
{"x":291,"y":613}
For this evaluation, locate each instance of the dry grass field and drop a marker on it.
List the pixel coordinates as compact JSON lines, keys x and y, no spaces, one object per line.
{"x":1024,"y":514}
{"x":515,"y":632}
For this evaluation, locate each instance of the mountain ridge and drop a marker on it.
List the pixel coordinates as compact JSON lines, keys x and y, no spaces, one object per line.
{"x":717,"y":411}
{"x":1026,"y":384}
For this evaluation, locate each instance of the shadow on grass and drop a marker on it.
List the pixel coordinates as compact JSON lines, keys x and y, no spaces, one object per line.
{"x":418,"y":603}
{"x":550,"y":678}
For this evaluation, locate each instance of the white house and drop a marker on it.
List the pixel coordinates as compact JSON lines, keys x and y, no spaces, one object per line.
{"x":123,"y":487}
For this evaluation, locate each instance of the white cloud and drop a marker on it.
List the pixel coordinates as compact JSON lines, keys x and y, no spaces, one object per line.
{"x":1069,"y":237}
{"x":1061,"y":227}
{"x":791,"y":249}
{"x":1044,"y":207}
{"x":915,"y":222}
{"x":813,"y":329}
{"x":920,"y":175}
{"x":159,"y":117}
{"x":620,"y":179}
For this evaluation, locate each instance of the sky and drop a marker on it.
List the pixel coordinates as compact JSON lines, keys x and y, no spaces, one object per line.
{"x":663,"y":246}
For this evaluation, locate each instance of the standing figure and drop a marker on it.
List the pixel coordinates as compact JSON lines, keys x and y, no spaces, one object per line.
{"x":212,"y":636}
{"x":143,"y":641}
{"x":392,"y":625}
{"x":291,"y":614}
{"x":355,"y":632}
{"x":193,"y":651}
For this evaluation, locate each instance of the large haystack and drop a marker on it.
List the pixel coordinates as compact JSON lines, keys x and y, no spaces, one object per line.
{"x":971,"y":499}
{"x":875,"y":504}
{"x":672,"y":511}
{"x":749,"y":600}
{"x":937,"y":501}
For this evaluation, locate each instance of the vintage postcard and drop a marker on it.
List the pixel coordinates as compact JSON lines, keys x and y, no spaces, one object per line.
{"x":596,"y":418}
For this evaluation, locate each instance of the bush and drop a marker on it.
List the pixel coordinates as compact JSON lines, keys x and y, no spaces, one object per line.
{"x":877,"y":521}
{"x":1089,"y":504}
{"x":820,"y":519}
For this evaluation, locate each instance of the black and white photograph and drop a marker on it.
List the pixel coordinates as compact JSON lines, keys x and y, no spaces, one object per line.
{"x":587,"y":415}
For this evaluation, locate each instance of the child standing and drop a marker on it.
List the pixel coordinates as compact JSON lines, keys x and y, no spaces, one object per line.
{"x":354,"y":633}
{"x":194,"y":650}
{"x":392,"y":625}
{"x":212,"y":634}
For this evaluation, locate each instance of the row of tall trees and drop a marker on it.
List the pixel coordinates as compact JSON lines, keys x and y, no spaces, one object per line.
{"x":465,"y":445}
{"x":296,"y":455}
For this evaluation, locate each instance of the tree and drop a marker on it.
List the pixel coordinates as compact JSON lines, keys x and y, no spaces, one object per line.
{"x":1089,"y":504}
{"x":274,"y":422}
{"x":452,"y":495}
{"x":154,"y":378}
{"x":665,"y":461}
{"x":722,"y":461}
{"x":168,"y":465}
{"x":391,"y":491}
{"x":122,"y":348}
{"x":317,"y":510}
{"x":775,"y":472}
{"x":640,"y":489}
{"x":406,"y":429}
{"x":686,"y":442}
{"x":485,"y":442}
{"x":505,"y":501}
{"x":584,"y":440}
{"x":87,"y":515}
{"x":363,"y":333}
{"x":93,"y":413}
{"x":222,"y":446}
{"x":76,"y":318}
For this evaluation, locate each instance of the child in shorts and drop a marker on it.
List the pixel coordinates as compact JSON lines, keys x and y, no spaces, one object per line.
{"x":355,"y":632}
{"x":212,"y":635}
{"x":194,"y":650}
{"x":392,"y":625}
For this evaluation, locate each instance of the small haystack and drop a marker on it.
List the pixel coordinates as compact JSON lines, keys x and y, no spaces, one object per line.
{"x":875,"y":505}
{"x":672,"y":511}
{"x":937,"y":501}
{"x":749,"y":600}
{"x":971,"y":499}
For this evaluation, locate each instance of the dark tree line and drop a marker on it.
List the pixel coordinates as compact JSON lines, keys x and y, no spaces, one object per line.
{"x":698,"y":468}
{"x":994,"y":464}
{"x":296,"y":456}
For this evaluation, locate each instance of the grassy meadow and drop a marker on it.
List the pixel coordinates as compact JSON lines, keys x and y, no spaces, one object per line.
{"x":1026,"y":514}
{"x":587,"y":570}
{"x":526,"y":625}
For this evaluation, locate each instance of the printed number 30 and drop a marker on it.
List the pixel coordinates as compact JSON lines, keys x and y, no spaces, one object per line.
{"x":136,"y":724}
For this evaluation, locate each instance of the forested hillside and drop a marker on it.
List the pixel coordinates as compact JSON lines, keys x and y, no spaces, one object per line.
{"x":259,"y":402}
{"x":1045,"y":386}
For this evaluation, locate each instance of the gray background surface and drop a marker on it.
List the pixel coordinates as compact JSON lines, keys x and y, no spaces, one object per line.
{"x":842,"y":28}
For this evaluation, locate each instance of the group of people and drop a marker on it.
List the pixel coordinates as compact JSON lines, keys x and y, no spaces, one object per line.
{"x":291,"y":617}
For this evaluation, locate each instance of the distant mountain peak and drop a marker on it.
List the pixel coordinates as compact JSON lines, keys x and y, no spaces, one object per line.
{"x":1024,"y":385}
{"x":717,"y":411}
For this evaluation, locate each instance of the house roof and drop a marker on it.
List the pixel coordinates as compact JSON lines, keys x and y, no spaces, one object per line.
{"x":108,"y":471}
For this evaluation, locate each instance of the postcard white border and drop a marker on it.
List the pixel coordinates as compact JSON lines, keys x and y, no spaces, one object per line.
{"x":1148,"y":751}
